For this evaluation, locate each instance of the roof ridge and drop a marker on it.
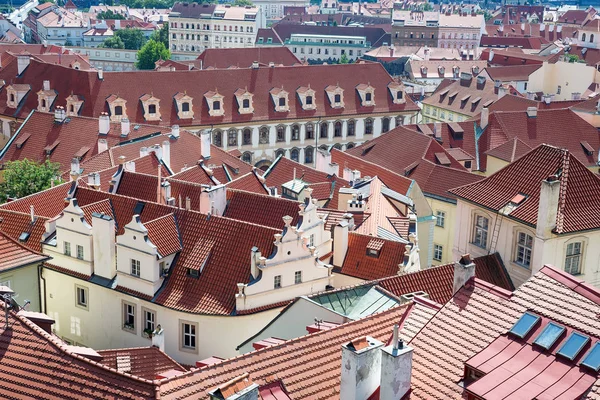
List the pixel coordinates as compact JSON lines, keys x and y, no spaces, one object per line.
{"x":282,"y":199}
{"x":23,"y":246}
{"x":562,"y":194}
{"x":159,"y":218}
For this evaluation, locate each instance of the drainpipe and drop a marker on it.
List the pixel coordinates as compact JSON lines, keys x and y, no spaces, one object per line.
{"x":41,"y":277}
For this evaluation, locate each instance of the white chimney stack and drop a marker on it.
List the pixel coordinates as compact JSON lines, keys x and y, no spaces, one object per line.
{"x":102,"y":145}
{"x":361,"y":368}
{"x":130,"y":166}
{"x":340,"y":242}
{"x":103,"y":240}
{"x":464,"y":269}
{"x":75,"y":169}
{"x":143,"y":151}
{"x":100,"y":74}
{"x":166,"y":153}
{"x":32,"y":213}
{"x":103,"y":124}
{"x":396,"y":369}
{"x":46,"y":85}
{"x":485,"y":117}
{"x":22,"y":63}
{"x":205,"y":145}
{"x":175,"y":131}
{"x":125,"y":126}
{"x":158,"y":338}
{"x":548,"y":206}
{"x":324,"y":164}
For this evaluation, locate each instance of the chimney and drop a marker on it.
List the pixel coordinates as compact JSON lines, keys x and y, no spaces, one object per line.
{"x":22,"y":63}
{"x":396,"y":368}
{"x":100,"y":74}
{"x":143,"y":151}
{"x":530,"y":95}
{"x":464,"y":270}
{"x":75,"y":169}
{"x":485,"y":117}
{"x":166,"y":153}
{"x":59,"y":114}
{"x":46,"y":85}
{"x":103,"y":124}
{"x":158,"y":338}
{"x":361,"y":368}
{"x":347,"y":174}
{"x":501,"y":91}
{"x":254,"y":64}
{"x":103,"y":242}
{"x":324,"y":164}
{"x":340,"y":242}
{"x":240,"y":388}
{"x":531,"y":112}
{"x":576,"y":96}
{"x":427,"y":53}
{"x":130,"y":166}
{"x":205,"y":145}
{"x":102,"y":145}
{"x":166,"y":193}
{"x":491,"y":56}
{"x":175,"y":131}
{"x":213,"y":199}
{"x":125,"y":126}
{"x":547,"y":98}
{"x":188,"y":204}
{"x":32,"y":213}
{"x":117,"y":24}
{"x":94,"y":180}
{"x":548,"y":207}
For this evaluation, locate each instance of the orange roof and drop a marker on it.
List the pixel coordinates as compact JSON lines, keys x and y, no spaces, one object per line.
{"x":359,"y":264}
{"x":145,"y":362}
{"x":14,"y":254}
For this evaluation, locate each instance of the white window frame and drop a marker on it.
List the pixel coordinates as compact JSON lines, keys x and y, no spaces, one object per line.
{"x":79,"y":251}
{"x":523,"y":249}
{"x":575,"y":256}
{"x":277,"y":282}
{"x":135,"y":267}
{"x":438,"y":252}
{"x":297,"y":277}
{"x":82,"y":304}
{"x":67,"y":249}
{"x":145,"y":313}
{"x":129,"y":310}
{"x":480,"y":233}
{"x":440,"y":216}
{"x":191,"y":333}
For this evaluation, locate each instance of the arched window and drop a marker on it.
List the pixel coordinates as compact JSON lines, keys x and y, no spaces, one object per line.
{"x":295,"y":155}
{"x":349,"y":146}
{"x":308,"y":155}
{"x":247,"y":136}
{"x":12,"y":97}
{"x":218,"y":138}
{"x":295,"y":132}
{"x":280,"y":153}
{"x":368,"y":126}
{"x":399,"y":120}
{"x":263,"y":137}
{"x":385,"y":125}
{"x":337,"y":130}
{"x":310,"y":131}
{"x":337,"y":146}
{"x":583,"y":37}
{"x":71,"y":108}
{"x":118,"y":110}
{"x":592,"y":38}
{"x":281,"y":133}
{"x":44,"y":103}
{"x":232,"y":137}
{"x":247,"y":157}
{"x":323,"y":130}
{"x":351,"y":128}
{"x":324,"y":147}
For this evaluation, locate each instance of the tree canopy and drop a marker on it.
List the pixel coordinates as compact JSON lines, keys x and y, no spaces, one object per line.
{"x":151,"y":53}
{"x":114,"y":42}
{"x":242,"y":3}
{"x":109,"y":14}
{"x":162,"y":35}
{"x":132,"y":38}
{"x":344,"y":59}
{"x":25,"y":177}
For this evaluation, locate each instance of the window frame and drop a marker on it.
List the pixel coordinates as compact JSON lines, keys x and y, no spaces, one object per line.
{"x":522,"y":251}
{"x":67,"y":249}
{"x":440,"y":216}
{"x":577,"y":256}
{"x":135,"y":264}
{"x":79,"y":252}
{"x":193,"y":333}
{"x":481,"y":229}
{"x":277,"y":282}
{"x":125,"y":313}
{"x":297,"y":277}
{"x":83,"y":305}
{"x":145,"y":320}
{"x":438,"y":248}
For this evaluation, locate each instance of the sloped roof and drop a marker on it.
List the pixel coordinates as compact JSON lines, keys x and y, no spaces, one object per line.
{"x":577,"y":210}
{"x":145,"y":362}
{"x":359,"y":264}
{"x":14,"y":254}
{"x":260,"y":209}
{"x":243,"y":58}
{"x":251,"y":182}
{"x":510,"y":150}
{"x":512,"y":72}
{"x":451,"y":98}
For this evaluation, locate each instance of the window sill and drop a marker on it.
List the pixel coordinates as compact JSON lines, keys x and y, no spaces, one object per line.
{"x":82,"y":307}
{"x":520,"y":265}
{"x":188,"y":350}
{"x":128,"y":329}
{"x":479,"y":246}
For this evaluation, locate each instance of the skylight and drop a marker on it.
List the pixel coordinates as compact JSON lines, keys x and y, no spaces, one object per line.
{"x":549,"y":335}
{"x":592,"y":360}
{"x":524,"y":324}
{"x":573,"y":345}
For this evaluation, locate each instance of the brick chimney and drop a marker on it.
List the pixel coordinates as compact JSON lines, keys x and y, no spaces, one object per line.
{"x":361,"y":368}
{"x":396,"y":368}
{"x":464,"y":270}
{"x":548,"y":207}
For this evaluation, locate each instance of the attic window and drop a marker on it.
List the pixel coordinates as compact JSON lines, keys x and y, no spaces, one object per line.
{"x":374,"y":247}
{"x":185,"y":107}
{"x":118,"y":110}
{"x":372,"y":253}
{"x":193,"y":272}
{"x":216,"y":105}
{"x":152,"y":109}
{"x":309,"y":100}
{"x":518,"y":199}
{"x":282,"y":102}
{"x":338,"y":98}
{"x":587,"y":148}
{"x":368,"y":97}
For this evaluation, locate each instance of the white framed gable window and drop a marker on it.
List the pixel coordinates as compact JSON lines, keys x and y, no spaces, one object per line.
{"x":280,"y":99}
{"x":480,"y":231}
{"x":397,"y":92}
{"x":335,"y":95}
{"x":573,"y":258}
{"x":244,"y":99}
{"x":307,"y":98}
{"x":366,"y":94}
{"x":215,"y":103}
{"x":524,"y":246}
{"x":135,"y":267}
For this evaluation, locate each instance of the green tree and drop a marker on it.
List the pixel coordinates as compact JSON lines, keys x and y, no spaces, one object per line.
{"x":109,"y":14}
{"x":162,"y":35}
{"x":427,"y":7}
{"x":151,"y":53}
{"x":114,"y":42}
{"x":344,"y":59}
{"x":242,"y":3}
{"x":132,"y":38}
{"x":25,"y":177}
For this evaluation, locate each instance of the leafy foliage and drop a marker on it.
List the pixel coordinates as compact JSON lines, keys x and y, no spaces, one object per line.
{"x":25,"y":177}
{"x":150,"y":53}
{"x":132,"y":38}
{"x":242,"y":3}
{"x":109,"y":14}
{"x":162,"y":35}
{"x":344,"y":59}
{"x":114,"y":42}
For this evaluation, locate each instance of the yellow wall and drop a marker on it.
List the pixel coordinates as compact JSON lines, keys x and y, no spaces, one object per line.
{"x":444,"y":236}
{"x":494,"y":164}
{"x":434,"y":114}
{"x":24,"y":282}
{"x":571,"y":77}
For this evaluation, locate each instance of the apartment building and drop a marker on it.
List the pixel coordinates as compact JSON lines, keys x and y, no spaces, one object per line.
{"x":195,"y":27}
{"x":55,"y":25}
{"x":415,"y":28}
{"x":272,"y":11}
{"x":458,"y":31}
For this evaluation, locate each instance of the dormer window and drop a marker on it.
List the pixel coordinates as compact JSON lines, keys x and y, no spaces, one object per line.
{"x":280,"y":99}
{"x":374,"y":247}
{"x":184,"y":106}
{"x":74,"y":104}
{"x":367,"y":94}
{"x":307,"y":98}
{"x":244,"y":99}
{"x":46,"y":97}
{"x":215,"y":103}
{"x":336,"y":96}
{"x":15,"y":94}
{"x":397,"y":92}
{"x":151,"y":107}
{"x":118,"y":108}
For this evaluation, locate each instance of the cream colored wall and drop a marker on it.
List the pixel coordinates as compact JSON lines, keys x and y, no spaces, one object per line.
{"x":434,"y":114}
{"x":424,"y":224}
{"x":572,"y":77}
{"x":341,"y":280}
{"x":24,"y":282}
{"x":100,"y":326}
{"x":494,"y":165}
{"x":443,"y":236}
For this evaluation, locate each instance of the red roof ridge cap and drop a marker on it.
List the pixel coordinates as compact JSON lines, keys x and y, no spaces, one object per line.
{"x":265,"y":195}
{"x":427,"y":303}
{"x":159,"y":218}
{"x":488,"y":287}
{"x":579,"y":286}
{"x":46,"y":257}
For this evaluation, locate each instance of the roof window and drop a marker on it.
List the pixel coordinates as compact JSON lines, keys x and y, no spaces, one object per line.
{"x":573,"y":345}
{"x":522,"y":327}
{"x":592,"y":360}
{"x":549,"y":335}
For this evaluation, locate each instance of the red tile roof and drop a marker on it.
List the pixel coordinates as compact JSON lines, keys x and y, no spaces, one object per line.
{"x":145,"y":362}
{"x":251,"y":182}
{"x":14,"y":254}
{"x":512,"y":72}
{"x":139,"y":186}
{"x":464,"y":96}
{"x":164,"y":234}
{"x":47,"y":203}
{"x":260,"y":209}
{"x":243,"y":58}
{"x":14,"y":224}
{"x":359,"y":264}
{"x":165,"y":85}
{"x":513,"y":41}
{"x":577,"y":210}
{"x":510,"y":150}
{"x":510,"y":57}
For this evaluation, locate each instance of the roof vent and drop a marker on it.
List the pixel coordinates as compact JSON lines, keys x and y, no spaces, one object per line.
{"x":531,"y":112}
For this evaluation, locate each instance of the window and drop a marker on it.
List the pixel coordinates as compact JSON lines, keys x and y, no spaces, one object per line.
{"x":277,"y":282}
{"x":246,"y":103}
{"x":337,"y":129}
{"x":129,"y":316}
{"x":385,"y":125}
{"x":247,"y":136}
{"x":468,"y":164}
{"x":549,"y":335}
{"x":481,"y":231}
{"x":118,"y":110}
{"x":310,"y":131}
{"x":232,"y":137}
{"x":323,"y":131}
{"x":135,"y":267}
{"x":522,"y":327}
{"x":79,"y":252}
{"x":81,"y":296}
{"x":523,"y":253}
{"x":368,"y":97}
{"x":309,"y":100}
{"x":188,"y":336}
{"x":149,"y":322}
{"x":185,"y":107}
{"x":282,"y":102}
{"x":573,"y":345}
{"x":263,"y":138}
{"x":308,"y":155}
{"x":152,"y":109}
{"x":216,"y":105}
{"x":217,"y":138}
{"x":295,"y":132}
{"x":247,"y":157}
{"x":295,"y":155}
{"x":558,"y":89}
{"x":351,"y":127}
{"x":281,"y":133}
{"x":437,"y":252}
{"x":440,"y":218}
{"x":336,"y":99}
{"x":67,"y":248}
{"x":573,"y":258}
{"x":298,"y":277}
{"x":368,"y":126}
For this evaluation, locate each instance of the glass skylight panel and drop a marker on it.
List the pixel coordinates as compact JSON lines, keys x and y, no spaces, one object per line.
{"x":592,"y":360}
{"x":524,"y":324}
{"x":549,"y":335}
{"x":573,"y":345}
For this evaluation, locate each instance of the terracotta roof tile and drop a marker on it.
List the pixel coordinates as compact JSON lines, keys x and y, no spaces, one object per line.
{"x":261,"y":209}
{"x":243,"y":58}
{"x":146,"y":362}
{"x":251,"y":182}
{"x":452,"y":100}
{"x":14,"y":254}
{"x":360,"y":264}
{"x":14,"y":224}
{"x":164,"y":234}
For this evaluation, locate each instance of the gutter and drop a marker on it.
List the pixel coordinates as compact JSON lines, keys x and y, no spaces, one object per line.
{"x":12,"y":139}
